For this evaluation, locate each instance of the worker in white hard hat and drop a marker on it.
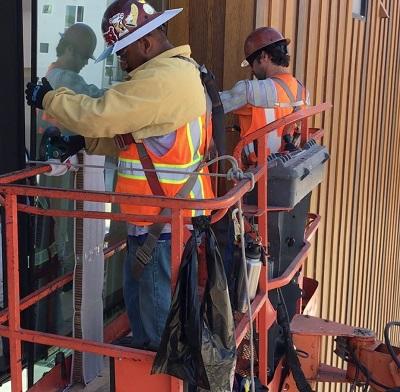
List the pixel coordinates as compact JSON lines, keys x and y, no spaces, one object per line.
{"x":162,"y":104}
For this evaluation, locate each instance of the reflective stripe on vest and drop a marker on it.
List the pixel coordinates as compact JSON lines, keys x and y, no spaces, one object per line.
{"x":273,"y":139}
{"x":184,"y":156}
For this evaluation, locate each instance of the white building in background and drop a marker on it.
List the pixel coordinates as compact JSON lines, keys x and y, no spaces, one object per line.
{"x":54,"y":16}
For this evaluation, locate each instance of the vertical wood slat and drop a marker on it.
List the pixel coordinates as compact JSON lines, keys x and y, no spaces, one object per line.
{"x":179,"y":27}
{"x":238,"y":24}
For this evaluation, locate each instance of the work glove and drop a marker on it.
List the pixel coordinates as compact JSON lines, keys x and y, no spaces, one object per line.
{"x":59,"y":168}
{"x":289,"y":145}
{"x":35,"y":93}
{"x":54,"y":145}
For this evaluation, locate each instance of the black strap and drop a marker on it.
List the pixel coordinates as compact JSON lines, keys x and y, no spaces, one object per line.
{"x":291,"y":354}
{"x":144,"y":252}
{"x":218,"y":114}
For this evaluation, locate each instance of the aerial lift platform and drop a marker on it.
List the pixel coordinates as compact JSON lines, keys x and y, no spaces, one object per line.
{"x":297,"y":368}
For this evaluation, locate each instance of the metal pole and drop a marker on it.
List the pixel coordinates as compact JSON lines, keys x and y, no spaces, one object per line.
{"x":32,"y":154}
{"x":14,"y":321}
{"x":33,"y":139}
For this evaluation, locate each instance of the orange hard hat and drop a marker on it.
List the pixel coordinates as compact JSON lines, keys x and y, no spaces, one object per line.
{"x":260,"y":38}
{"x":126,"y":21}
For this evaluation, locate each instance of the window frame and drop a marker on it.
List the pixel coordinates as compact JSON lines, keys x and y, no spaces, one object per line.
{"x":363,"y":10}
{"x":45,"y":44}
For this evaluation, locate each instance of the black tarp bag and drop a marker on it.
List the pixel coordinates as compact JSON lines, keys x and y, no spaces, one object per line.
{"x":198,"y":343}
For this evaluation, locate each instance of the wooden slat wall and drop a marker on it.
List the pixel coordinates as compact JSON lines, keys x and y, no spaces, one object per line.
{"x":215,"y":30}
{"x":354,"y":64}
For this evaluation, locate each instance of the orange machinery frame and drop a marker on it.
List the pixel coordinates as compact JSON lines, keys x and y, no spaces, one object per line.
{"x":263,"y":312}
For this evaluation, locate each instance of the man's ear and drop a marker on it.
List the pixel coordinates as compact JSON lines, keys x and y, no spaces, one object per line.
{"x":264,"y":55}
{"x":146,"y":45}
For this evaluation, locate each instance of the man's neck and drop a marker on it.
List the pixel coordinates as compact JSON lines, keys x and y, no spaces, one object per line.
{"x":164,"y":47}
{"x":277,"y":70}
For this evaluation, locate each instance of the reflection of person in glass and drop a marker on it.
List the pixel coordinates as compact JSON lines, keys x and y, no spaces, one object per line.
{"x":74,"y":50}
{"x":55,"y":236}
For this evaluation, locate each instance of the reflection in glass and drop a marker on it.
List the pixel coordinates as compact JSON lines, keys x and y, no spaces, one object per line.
{"x":64,"y":56}
{"x":65,"y":60}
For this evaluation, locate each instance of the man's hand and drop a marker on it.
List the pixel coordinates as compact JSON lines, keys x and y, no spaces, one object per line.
{"x":54,"y":145}
{"x":35,"y":93}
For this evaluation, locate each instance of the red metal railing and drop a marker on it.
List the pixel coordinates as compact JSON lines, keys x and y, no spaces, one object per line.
{"x":262,"y":309}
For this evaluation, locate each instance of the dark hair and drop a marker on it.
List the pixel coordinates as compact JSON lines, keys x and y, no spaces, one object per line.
{"x":277,"y":52}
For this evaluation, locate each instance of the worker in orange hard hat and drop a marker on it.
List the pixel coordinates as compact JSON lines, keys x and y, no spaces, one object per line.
{"x":159,"y":111}
{"x":260,"y":39}
{"x":273,"y":95}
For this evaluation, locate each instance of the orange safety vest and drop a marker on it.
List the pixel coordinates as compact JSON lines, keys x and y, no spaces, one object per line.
{"x":252,"y":118}
{"x":185,"y":155}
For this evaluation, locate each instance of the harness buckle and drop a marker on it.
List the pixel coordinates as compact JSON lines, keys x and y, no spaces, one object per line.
{"x":123,"y":141}
{"x":120,"y":143}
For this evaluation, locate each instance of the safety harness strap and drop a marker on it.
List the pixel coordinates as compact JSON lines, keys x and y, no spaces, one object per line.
{"x":150,"y":172}
{"x":297,"y":102}
{"x":144,"y":252}
{"x":218,"y":115}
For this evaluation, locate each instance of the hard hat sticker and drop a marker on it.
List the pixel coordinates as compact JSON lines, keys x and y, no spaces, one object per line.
{"x":110,"y":36}
{"x":148,"y":9}
{"x":131,"y":19}
{"x":118,"y":22}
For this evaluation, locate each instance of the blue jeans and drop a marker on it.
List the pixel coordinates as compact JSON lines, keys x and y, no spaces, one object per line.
{"x":148,"y":299}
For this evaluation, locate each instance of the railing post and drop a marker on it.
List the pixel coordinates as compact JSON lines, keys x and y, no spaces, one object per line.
{"x":263,"y":232}
{"x":176,"y":244}
{"x":14,"y":322}
{"x":304,"y":131}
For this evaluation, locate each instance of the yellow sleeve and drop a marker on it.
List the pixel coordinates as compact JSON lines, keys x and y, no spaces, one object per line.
{"x":101,"y":146}
{"x":155,"y":102}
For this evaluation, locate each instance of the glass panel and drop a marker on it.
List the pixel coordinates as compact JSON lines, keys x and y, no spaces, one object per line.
{"x":63,"y":56}
{"x":70,"y":14}
{"x":79,"y":15}
{"x":356,"y":6}
{"x":359,"y":7}
{"x":47,"y":8}
{"x":44,"y":48}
